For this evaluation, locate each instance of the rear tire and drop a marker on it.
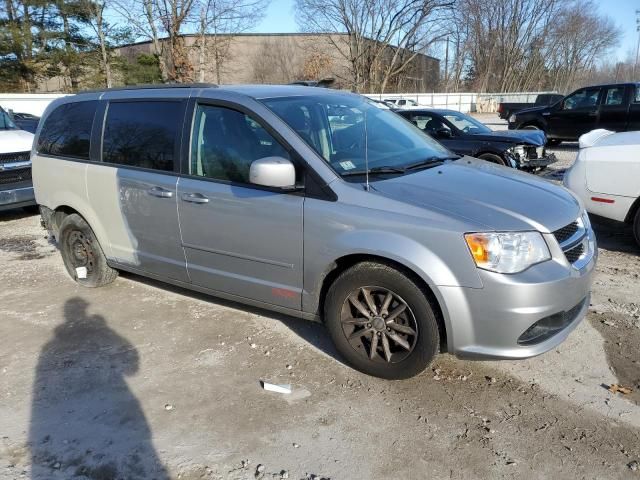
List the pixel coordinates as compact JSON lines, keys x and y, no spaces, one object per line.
{"x":80,"y":249}
{"x":636,"y":227}
{"x":493,"y":158}
{"x":381,"y":322}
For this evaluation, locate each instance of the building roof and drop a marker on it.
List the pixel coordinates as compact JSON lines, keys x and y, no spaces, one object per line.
{"x":249,"y":34}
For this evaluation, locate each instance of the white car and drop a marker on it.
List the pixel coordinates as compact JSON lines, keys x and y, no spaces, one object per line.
{"x":401,"y":102}
{"x":16,"y":188}
{"x":606,"y":176}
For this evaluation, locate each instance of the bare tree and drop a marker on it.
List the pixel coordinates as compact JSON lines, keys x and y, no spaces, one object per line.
{"x":383,"y":37}
{"x":520,"y":45}
{"x":275,"y":61}
{"x":218,"y":20}
{"x":144,"y":18}
{"x":174,"y":16}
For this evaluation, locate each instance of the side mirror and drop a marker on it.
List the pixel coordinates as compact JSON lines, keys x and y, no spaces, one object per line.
{"x":443,"y":133}
{"x":273,"y":172}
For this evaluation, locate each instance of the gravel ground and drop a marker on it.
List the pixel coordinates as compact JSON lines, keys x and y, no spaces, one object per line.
{"x":142,"y":380}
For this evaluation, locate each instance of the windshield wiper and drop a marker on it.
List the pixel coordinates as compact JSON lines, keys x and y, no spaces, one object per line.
{"x":429,"y":162}
{"x":375,"y":170}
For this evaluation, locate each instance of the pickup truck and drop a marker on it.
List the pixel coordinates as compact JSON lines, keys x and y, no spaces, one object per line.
{"x":613,"y":107}
{"x":16,"y":189}
{"x":505,"y":109}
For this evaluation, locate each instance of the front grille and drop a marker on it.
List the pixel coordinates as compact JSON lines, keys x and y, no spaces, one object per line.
{"x":565,"y":233}
{"x":15,"y":176}
{"x":15,"y":157}
{"x":574,"y":253}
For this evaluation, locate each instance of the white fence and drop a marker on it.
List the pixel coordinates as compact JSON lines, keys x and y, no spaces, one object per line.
{"x":33,"y":103}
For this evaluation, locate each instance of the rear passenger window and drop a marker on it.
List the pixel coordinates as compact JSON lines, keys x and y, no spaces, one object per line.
{"x":614,"y":96}
{"x":226,"y":142}
{"x":142,"y":134}
{"x":67,"y":130}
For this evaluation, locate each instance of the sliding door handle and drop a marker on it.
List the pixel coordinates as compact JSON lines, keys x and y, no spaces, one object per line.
{"x":194,"y":198}
{"x":160,"y":192}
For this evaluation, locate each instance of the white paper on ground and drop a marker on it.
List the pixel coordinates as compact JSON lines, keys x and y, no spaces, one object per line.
{"x":81,"y":272}
{"x":270,"y":387}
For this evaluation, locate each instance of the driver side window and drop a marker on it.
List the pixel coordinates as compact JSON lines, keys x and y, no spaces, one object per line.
{"x":585,"y":98}
{"x":429,"y":124}
{"x":225,"y":142}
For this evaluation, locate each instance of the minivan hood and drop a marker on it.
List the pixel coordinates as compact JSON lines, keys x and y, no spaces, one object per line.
{"x":489,"y":196}
{"x":15,"y":141}
{"x":529,"y":137}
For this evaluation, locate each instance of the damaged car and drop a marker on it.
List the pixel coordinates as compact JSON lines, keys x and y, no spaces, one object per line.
{"x":465,"y":135}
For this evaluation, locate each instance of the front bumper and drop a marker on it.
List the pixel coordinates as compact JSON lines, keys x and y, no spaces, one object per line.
{"x":16,"y":197}
{"x":490,"y":322}
{"x":539,"y":162}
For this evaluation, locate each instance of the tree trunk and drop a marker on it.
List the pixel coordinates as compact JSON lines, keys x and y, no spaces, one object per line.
{"x":103,"y":45}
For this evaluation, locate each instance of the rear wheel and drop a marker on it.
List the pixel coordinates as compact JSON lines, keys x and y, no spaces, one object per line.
{"x":82,"y":255}
{"x":636,"y":227}
{"x":493,"y":158}
{"x":381,"y":322}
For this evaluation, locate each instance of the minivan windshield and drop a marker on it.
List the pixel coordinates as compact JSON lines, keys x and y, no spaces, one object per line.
{"x":351,"y":133}
{"x":5,"y":121}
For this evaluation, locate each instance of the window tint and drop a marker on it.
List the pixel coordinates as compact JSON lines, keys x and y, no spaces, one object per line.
{"x":614,"y":96}
{"x":67,"y":130}
{"x":142,"y":134}
{"x":226,"y":142}
{"x":585,"y":98}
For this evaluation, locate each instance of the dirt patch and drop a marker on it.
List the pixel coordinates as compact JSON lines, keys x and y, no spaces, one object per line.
{"x":622,"y":337}
{"x":24,"y":245}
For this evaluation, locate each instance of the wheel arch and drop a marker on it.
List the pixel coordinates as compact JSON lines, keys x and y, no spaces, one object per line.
{"x":347,"y":261}
{"x":65,"y":209}
{"x":631,"y":215}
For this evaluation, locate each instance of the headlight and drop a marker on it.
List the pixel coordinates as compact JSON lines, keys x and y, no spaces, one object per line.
{"x":512,"y":118}
{"x":519,"y":152}
{"x":510,"y":252}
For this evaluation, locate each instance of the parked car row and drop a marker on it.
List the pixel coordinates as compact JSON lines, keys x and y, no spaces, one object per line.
{"x":318,"y":204}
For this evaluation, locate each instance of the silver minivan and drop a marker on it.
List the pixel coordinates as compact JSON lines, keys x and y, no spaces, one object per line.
{"x":318,"y":204}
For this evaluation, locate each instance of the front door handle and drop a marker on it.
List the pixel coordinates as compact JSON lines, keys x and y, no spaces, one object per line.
{"x":194,"y":198}
{"x":160,"y":192}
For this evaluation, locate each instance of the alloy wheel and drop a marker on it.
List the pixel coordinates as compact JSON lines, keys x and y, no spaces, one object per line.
{"x":379,"y":324}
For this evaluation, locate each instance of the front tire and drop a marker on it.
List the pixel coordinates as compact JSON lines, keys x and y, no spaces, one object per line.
{"x":80,"y":250}
{"x":381,"y":322}
{"x":493,"y":158}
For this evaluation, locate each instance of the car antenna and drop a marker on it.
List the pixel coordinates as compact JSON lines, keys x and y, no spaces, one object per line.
{"x":366,"y":152}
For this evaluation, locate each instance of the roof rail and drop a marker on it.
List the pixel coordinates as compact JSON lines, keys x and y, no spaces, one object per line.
{"x":151,"y":86}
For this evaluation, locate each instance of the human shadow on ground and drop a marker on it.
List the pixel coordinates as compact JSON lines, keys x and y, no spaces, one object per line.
{"x":86,"y":423}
